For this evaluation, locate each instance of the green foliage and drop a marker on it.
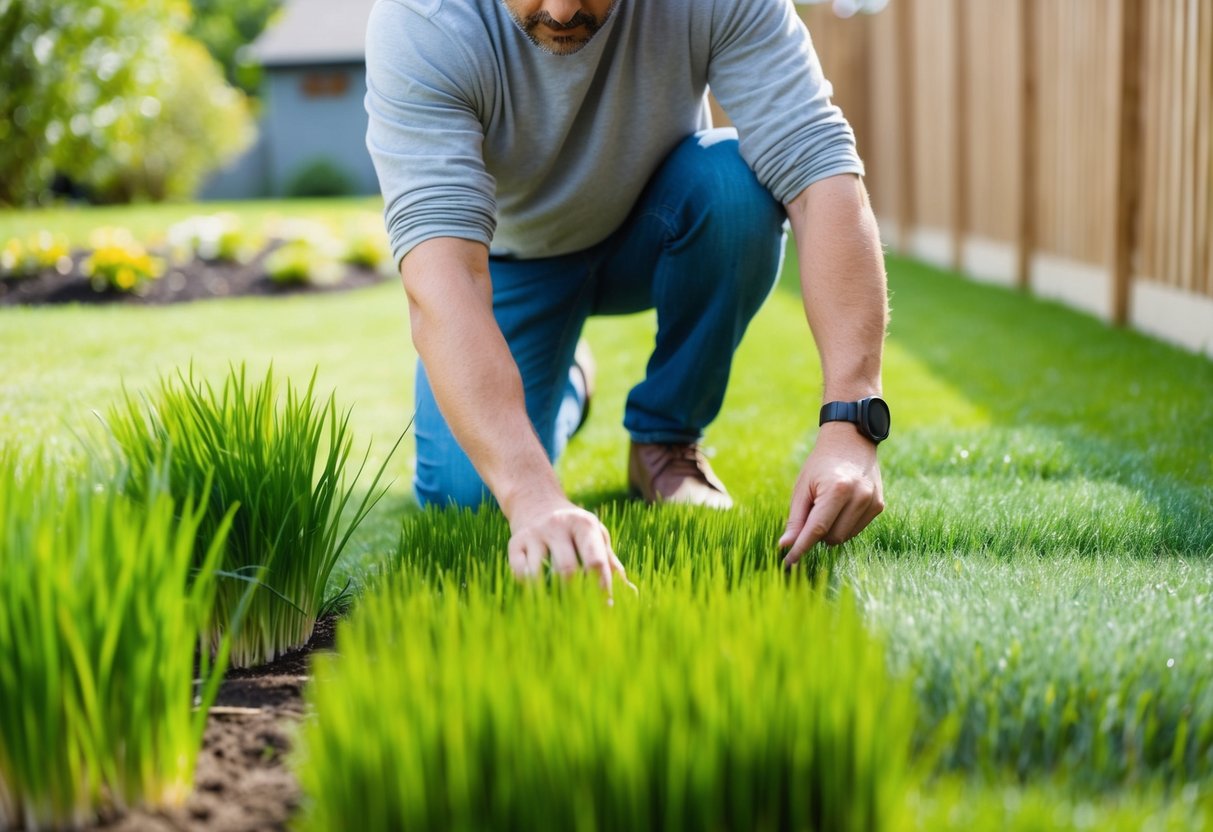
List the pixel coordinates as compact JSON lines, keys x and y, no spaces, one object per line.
{"x":724,"y":695}
{"x":119,"y":263}
{"x":319,"y":177}
{"x":112,"y":95}
{"x":102,"y":604}
{"x":366,"y":245}
{"x":40,"y":252}
{"x":284,"y":466}
{"x":226,"y":27}
{"x":197,"y":123}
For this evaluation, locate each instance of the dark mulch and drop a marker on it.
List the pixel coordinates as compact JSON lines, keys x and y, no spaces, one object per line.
{"x":196,"y":280}
{"x":242,"y":782}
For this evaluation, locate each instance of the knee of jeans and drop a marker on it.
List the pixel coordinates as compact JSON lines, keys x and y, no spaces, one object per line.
{"x":722,"y":182}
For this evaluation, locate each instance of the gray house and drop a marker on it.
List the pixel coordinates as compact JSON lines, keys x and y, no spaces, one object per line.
{"x":314,"y":59}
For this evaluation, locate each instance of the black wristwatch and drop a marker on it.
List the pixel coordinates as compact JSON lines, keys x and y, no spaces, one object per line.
{"x":870,"y":415}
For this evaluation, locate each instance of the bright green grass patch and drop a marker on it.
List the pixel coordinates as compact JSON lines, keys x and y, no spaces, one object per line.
{"x":1098,"y":668}
{"x":722,"y":695}
{"x":281,"y":464}
{"x":102,"y":605}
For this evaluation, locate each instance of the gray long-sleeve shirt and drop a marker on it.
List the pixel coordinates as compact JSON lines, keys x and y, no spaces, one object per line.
{"x":477,"y":133}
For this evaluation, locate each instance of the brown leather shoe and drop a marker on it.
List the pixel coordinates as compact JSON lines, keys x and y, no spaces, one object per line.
{"x":667,"y":473}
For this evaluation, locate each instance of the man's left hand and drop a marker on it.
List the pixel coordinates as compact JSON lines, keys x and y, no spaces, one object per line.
{"x":838,"y":493}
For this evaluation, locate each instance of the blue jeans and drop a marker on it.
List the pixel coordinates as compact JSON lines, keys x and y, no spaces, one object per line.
{"x":703,"y":246}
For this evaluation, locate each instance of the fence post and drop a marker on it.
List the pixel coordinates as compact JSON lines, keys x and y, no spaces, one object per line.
{"x":904,"y":9}
{"x":1027,"y":145}
{"x":960,"y":184}
{"x":1128,"y":159}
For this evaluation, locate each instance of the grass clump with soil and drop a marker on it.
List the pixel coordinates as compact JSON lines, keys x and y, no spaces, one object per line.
{"x":103,"y":602}
{"x":280,"y":465}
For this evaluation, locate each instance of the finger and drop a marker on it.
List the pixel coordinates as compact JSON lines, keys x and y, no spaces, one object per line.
{"x":797,"y":514}
{"x":564,"y":556}
{"x":851,"y":520}
{"x":874,"y":509}
{"x":520,"y":563}
{"x":535,"y":553}
{"x":816,"y":526}
{"x":595,"y":553}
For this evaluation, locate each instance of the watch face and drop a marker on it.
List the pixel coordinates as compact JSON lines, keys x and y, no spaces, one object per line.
{"x":878,"y":418}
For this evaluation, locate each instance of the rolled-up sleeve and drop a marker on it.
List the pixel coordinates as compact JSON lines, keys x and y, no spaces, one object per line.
{"x":765,"y":73}
{"x":423,"y":133}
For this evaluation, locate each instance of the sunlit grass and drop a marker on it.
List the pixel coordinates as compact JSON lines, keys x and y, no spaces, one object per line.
{"x":1039,"y":449}
{"x":1095,"y":667}
{"x":150,"y":223}
{"x":723,"y":695}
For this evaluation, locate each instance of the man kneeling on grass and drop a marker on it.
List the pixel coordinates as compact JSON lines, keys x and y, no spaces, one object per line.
{"x":546,"y":160}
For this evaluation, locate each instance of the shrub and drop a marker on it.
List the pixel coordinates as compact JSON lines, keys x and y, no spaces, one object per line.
{"x":102,"y":603}
{"x":112,"y":95}
{"x":725,"y":695}
{"x":299,"y":262}
{"x":365,"y":248}
{"x":216,"y":238}
{"x":39,"y":252}
{"x":285,"y":468}
{"x":319,"y":177}
{"x":119,"y":262}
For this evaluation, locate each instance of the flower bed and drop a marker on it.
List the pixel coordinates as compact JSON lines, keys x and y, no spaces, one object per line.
{"x":202,"y":257}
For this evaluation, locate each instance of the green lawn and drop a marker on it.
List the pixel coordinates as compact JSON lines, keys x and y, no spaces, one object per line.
{"x":1042,"y":574}
{"x":149,"y":223}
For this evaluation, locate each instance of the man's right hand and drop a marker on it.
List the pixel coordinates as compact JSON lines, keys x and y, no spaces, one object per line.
{"x":479,"y":390}
{"x":569,"y":536}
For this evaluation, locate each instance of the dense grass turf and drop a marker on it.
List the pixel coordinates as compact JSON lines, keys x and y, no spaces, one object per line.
{"x":722,"y":695}
{"x":1045,"y":553}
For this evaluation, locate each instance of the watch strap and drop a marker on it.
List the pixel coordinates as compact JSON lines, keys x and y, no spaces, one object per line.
{"x":839,"y":412}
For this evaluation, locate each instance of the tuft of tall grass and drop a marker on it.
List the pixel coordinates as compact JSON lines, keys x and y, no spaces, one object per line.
{"x":283,"y":463}
{"x":726,"y":694}
{"x":102,"y":606}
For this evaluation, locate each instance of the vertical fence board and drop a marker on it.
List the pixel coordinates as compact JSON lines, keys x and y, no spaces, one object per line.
{"x":1081,"y":130}
{"x":1028,"y":155}
{"x":1204,"y":177}
{"x":1128,"y":157}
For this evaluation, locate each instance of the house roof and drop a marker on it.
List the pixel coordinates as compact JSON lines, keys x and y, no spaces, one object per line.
{"x":315,"y":32}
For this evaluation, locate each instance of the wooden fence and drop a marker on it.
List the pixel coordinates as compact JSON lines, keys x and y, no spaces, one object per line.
{"x":1063,"y":147}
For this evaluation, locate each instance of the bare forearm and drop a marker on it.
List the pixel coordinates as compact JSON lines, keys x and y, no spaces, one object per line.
{"x":474,"y":378}
{"x":843,"y":283}
{"x":842,"y":279}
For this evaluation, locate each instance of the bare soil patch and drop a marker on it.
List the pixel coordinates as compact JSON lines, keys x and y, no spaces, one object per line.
{"x":243,"y":783}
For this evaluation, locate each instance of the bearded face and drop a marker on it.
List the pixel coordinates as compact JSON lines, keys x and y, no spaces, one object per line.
{"x":561,"y":27}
